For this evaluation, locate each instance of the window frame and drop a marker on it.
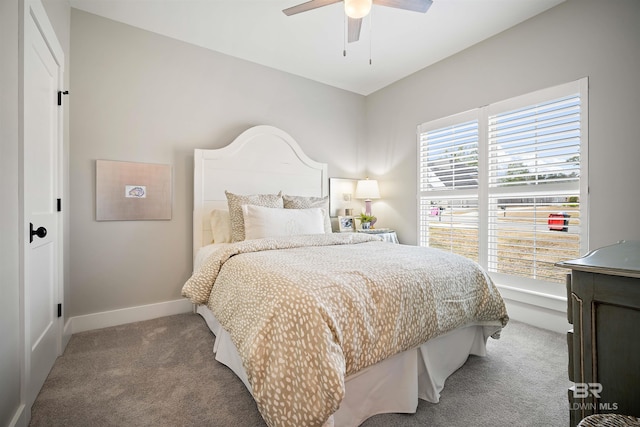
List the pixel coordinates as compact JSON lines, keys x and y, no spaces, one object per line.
{"x":482,"y":115}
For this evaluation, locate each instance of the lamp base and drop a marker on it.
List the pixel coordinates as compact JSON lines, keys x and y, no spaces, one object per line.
{"x":367,"y":210}
{"x":367,"y":207}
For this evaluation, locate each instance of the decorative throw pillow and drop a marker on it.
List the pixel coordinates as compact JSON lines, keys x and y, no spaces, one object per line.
{"x":220,"y":226}
{"x":235,"y":202}
{"x":302,"y":202}
{"x":260,"y":222}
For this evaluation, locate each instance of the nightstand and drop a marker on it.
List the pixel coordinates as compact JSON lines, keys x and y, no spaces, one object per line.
{"x":387,"y":234}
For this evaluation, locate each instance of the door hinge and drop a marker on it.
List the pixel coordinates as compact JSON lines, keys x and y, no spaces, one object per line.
{"x":59,"y":310}
{"x":60,"y":93}
{"x":59,"y":205}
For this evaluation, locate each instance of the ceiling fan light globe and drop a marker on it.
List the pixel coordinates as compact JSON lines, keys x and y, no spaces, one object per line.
{"x":357,"y":9}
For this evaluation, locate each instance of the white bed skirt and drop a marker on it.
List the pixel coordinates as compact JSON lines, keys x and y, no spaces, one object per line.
{"x":393,"y":385}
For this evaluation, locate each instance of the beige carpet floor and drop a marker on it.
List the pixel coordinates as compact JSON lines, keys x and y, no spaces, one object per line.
{"x":162,"y":372}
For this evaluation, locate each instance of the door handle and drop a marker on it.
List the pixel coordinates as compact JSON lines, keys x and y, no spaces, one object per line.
{"x":40,"y":232}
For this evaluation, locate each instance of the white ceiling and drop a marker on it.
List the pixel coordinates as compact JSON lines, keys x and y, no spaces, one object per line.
{"x":311,"y":44}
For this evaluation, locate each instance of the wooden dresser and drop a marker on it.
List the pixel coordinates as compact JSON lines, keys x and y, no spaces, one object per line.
{"x":603,"y":298}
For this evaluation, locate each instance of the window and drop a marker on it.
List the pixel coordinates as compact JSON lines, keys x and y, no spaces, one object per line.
{"x":505,"y":184}
{"x":449,"y":181}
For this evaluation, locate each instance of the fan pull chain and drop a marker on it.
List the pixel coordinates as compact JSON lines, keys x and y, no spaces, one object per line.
{"x":344,"y":38}
{"x":370,"y":33}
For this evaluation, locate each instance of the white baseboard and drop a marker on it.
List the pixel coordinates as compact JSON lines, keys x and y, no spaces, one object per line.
{"x":67,"y":331}
{"x":121,"y":316}
{"x":537,"y":316}
{"x":535,"y":308}
{"x":19,"y":418}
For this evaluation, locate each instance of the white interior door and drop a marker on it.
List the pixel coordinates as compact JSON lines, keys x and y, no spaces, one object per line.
{"x":41,"y":185}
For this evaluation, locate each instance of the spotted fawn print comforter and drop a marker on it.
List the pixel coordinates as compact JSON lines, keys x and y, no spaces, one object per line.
{"x":307,"y":311}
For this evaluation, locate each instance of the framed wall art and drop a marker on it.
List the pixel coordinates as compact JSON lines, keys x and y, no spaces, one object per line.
{"x":132,"y":191}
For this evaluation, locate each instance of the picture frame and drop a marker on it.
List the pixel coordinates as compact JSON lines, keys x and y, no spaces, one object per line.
{"x":128,"y":191}
{"x":346,"y":224}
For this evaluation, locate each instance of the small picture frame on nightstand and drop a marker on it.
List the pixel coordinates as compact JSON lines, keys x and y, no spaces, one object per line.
{"x":346,"y":224}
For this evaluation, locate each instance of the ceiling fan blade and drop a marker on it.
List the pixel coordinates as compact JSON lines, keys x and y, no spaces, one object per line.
{"x":310,"y":5}
{"x":353,"y":30}
{"x":413,"y":5}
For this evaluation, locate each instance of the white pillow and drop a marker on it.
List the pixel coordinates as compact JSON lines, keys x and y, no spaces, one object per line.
{"x":260,"y":222}
{"x":305,"y":202}
{"x":235,"y":202}
{"x":220,"y":226}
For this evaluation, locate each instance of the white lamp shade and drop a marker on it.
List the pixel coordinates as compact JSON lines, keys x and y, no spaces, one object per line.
{"x":357,"y":9}
{"x":367,"y":189}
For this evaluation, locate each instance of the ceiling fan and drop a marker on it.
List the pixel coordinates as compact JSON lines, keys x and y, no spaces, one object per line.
{"x":358,"y":9}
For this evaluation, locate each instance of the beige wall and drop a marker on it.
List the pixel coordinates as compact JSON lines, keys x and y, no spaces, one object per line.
{"x":137,"y":96}
{"x":576,"y":39}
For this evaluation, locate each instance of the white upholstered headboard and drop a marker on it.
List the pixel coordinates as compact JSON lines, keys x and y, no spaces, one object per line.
{"x":263,"y":159}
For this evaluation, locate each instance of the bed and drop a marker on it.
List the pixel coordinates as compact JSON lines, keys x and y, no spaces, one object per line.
{"x":324,"y":328}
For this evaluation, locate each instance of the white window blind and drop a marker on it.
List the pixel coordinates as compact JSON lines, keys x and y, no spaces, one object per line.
{"x":534,"y":188}
{"x":449,"y":183}
{"x":449,"y":157}
{"x":505,"y":184}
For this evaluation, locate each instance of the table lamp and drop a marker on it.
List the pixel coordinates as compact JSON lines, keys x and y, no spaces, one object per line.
{"x":367,"y":189}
